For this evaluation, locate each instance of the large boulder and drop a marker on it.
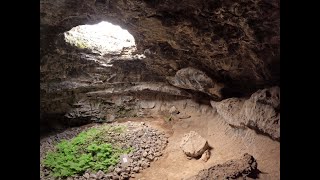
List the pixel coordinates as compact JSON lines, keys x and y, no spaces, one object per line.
{"x":260,"y":112}
{"x":194,"y":79}
{"x":232,"y":169}
{"x":193,"y":145}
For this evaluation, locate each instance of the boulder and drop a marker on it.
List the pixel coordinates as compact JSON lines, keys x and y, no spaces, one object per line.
{"x":193,"y":145}
{"x":260,"y":112}
{"x":232,"y":169}
{"x":194,"y":79}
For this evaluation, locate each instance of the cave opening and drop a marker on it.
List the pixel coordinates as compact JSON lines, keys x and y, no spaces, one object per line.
{"x":203,"y":95}
{"x":103,"y":38}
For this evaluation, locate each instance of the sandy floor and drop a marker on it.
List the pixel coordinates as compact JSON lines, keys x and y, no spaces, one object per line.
{"x":227,"y":143}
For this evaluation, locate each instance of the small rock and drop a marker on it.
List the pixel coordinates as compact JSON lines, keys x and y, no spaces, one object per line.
{"x":150,"y":157}
{"x":86,"y":175}
{"x":183,"y":116}
{"x":109,"y":176}
{"x":46,"y":172}
{"x":93,"y":176}
{"x":144,"y":154}
{"x":125,"y":160}
{"x":111,"y":168}
{"x":100,"y":174}
{"x":145,"y":164}
{"x":173,"y":110}
{"x":151,"y":151}
{"x":124,"y":175}
{"x":115,"y":177}
{"x":136,"y":169}
{"x":205,"y":156}
{"x":118,"y":170}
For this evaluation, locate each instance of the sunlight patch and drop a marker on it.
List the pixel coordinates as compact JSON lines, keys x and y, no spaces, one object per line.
{"x":103,"y":38}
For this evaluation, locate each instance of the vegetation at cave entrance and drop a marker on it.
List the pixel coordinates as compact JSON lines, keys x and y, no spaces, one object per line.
{"x":90,"y":150}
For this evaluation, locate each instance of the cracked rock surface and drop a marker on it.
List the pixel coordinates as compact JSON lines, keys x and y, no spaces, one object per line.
{"x":222,"y":42}
{"x":260,"y":112}
{"x":233,"y":169}
{"x":193,"y":145}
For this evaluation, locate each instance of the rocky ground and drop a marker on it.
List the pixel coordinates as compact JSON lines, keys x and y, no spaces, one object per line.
{"x":232,"y":169}
{"x":189,"y":54}
{"x":182,"y":138}
{"x":147,"y":142}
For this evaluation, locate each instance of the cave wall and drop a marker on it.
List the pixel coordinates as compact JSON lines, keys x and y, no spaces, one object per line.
{"x":236,"y":43}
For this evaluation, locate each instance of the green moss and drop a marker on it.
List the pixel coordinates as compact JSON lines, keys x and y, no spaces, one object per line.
{"x":87,"y":151}
{"x":78,"y":42}
{"x":81,"y":45}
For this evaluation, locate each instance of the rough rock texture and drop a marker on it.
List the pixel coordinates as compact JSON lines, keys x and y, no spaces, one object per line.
{"x":147,"y":104}
{"x":190,"y":78}
{"x":232,"y":169}
{"x":96,"y":103}
{"x":231,"y":42}
{"x":148,"y":145}
{"x":235,"y":39}
{"x":193,"y":145}
{"x":183,"y":115}
{"x":260,"y":112}
{"x":173,"y":110}
{"x":205,"y":156}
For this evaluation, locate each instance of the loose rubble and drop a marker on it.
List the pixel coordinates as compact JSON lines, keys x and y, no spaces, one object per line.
{"x":148,"y":145}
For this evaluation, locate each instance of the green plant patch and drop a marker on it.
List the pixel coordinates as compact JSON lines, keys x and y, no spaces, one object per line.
{"x":89,"y":150}
{"x":81,"y":45}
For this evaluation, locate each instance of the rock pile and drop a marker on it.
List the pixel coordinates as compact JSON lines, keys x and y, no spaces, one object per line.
{"x":147,"y":144}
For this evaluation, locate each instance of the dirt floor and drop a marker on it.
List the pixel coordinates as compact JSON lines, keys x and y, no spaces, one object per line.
{"x":227,"y":143}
